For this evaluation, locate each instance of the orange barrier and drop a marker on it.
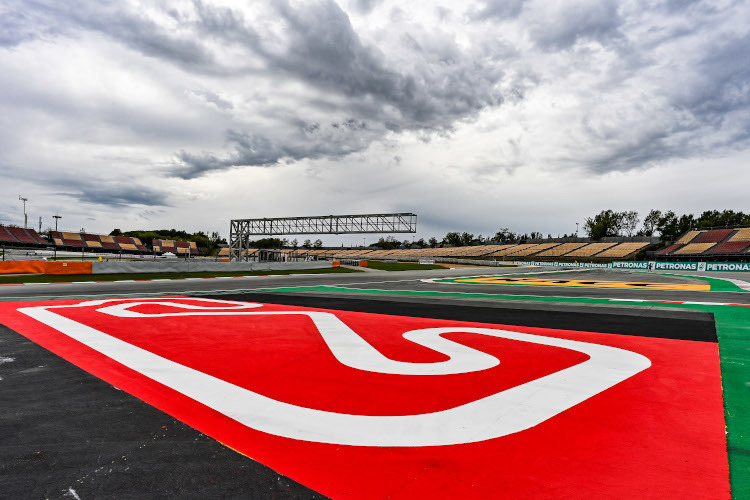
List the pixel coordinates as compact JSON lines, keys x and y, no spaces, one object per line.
{"x":362,"y":263}
{"x":44,"y":267}
{"x":336,"y":263}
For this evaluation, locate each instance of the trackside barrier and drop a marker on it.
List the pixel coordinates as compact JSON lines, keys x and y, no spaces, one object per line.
{"x":196,"y":265}
{"x":644,"y":264}
{"x":353,"y":262}
{"x":44,"y":267}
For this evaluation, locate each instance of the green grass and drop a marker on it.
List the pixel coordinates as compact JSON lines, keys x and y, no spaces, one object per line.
{"x":401,"y":266}
{"x":49,"y":278}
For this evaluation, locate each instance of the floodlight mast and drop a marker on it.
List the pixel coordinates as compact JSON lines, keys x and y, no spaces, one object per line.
{"x":241,"y":229}
{"x":25,"y":217}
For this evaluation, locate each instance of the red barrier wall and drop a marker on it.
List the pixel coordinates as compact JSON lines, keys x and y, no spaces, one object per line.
{"x":44,"y":267}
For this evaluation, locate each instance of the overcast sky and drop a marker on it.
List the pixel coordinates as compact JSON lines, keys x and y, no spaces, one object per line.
{"x":474,"y":115}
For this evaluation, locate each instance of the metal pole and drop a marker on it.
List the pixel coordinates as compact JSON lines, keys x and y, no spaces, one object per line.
{"x":25,"y":217}
{"x":54,"y":245}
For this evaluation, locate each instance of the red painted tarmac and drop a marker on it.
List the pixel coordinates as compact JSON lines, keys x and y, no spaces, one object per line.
{"x":659,"y":433}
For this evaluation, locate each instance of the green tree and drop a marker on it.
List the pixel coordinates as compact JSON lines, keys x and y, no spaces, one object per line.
{"x":605,"y":223}
{"x":318,"y":243}
{"x":505,"y":236}
{"x":651,"y":222}
{"x":388,"y":243}
{"x":433,"y":242}
{"x":452,"y":238}
{"x":466,"y":239}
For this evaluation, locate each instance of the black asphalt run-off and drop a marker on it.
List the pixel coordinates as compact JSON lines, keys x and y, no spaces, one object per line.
{"x":62,"y":430}
{"x":642,"y":322}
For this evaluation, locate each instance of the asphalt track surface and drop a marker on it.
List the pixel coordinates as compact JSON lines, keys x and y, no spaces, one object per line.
{"x":68,"y":434}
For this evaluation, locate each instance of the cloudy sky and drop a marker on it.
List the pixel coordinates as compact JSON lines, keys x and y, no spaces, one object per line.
{"x":477,"y":115}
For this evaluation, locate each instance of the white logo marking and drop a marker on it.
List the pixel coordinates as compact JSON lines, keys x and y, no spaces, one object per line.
{"x":506,"y":412}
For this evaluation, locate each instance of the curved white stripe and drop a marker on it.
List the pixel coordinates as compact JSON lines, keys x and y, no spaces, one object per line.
{"x":500,"y":414}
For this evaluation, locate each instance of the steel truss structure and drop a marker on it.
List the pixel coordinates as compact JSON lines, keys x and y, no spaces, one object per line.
{"x":240,"y":230}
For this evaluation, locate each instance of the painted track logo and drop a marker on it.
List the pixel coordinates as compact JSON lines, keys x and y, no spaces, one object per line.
{"x":506,"y":412}
{"x":373,"y":405}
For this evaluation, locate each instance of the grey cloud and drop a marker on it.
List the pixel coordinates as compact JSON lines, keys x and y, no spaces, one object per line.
{"x":561,"y":26}
{"x":212,"y":98}
{"x":322,"y":49}
{"x":497,"y":9}
{"x":365,"y":6}
{"x":313,"y":140}
{"x":708,"y":112}
{"x":314,"y":44}
{"x":115,"y":194}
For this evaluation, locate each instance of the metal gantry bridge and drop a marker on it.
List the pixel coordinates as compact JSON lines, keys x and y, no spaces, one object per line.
{"x":240,"y":230}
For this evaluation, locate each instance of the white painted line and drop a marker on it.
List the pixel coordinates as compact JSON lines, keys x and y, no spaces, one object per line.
{"x":506,"y":412}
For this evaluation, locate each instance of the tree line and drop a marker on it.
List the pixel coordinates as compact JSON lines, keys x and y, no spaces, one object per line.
{"x":667,"y":224}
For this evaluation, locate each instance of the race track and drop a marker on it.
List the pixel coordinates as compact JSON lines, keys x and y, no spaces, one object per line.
{"x":122,"y":394}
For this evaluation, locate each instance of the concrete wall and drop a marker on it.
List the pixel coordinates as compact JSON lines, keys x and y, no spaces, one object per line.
{"x":182,"y":266}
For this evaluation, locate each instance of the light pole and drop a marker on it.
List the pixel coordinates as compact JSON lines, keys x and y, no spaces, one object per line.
{"x":25,"y":217}
{"x":56,"y":217}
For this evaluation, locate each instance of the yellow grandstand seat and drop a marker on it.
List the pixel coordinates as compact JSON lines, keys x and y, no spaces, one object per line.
{"x":623,"y":249}
{"x":741,"y":235}
{"x":531,"y":249}
{"x":688,"y":237}
{"x":694,"y":248}
{"x":590,"y":250}
{"x":560,"y":250}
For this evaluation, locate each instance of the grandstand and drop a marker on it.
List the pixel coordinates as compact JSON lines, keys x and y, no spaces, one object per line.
{"x":623,"y":250}
{"x":97,"y":242}
{"x":693,"y":248}
{"x":590,"y":250}
{"x":724,"y":242}
{"x":688,"y":237}
{"x":560,"y":250}
{"x":19,"y":236}
{"x":176,"y":247}
{"x":669,"y":249}
{"x":524,"y":250}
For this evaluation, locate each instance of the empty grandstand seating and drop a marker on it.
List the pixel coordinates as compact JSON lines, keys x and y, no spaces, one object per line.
{"x":590,"y":250}
{"x":560,"y":250}
{"x":92,"y":241}
{"x":713,"y":236}
{"x":532,"y":249}
{"x":622,"y":250}
{"x":715,"y":242}
{"x":730,"y":247}
{"x":522,"y":250}
{"x":693,"y":248}
{"x":108,"y":242}
{"x":96,"y":242}
{"x":140,"y":246}
{"x":176,"y":247}
{"x":19,"y":236}
{"x":669,"y":249}
{"x":688,"y":237}
{"x":6,"y":237}
{"x":126,"y":243}
{"x":742,"y":234}
{"x":73,"y":239}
